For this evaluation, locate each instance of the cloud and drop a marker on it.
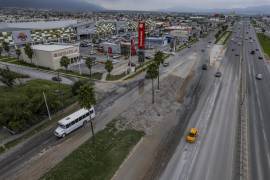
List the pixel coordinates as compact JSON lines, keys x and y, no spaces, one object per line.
{"x":163,"y":4}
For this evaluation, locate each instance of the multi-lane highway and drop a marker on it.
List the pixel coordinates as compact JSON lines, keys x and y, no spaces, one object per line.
{"x":14,"y":161}
{"x":213,"y":156}
{"x":258,"y":107}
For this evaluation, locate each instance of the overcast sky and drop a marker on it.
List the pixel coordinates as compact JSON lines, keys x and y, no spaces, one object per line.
{"x":164,"y":4}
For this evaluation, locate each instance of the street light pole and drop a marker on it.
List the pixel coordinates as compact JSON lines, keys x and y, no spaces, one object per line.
{"x":47,"y":105}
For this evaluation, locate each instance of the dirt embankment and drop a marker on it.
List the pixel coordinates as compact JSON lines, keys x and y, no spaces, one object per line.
{"x":164,"y":124}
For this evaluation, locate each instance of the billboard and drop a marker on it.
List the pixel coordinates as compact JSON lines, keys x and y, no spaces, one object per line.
{"x":21,"y":37}
{"x":141,"y":35}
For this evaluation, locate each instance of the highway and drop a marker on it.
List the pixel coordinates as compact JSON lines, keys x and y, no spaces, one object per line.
{"x":213,"y":155}
{"x":14,"y":161}
{"x":258,"y":109}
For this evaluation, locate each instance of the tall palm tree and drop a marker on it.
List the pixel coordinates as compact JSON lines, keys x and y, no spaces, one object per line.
{"x":159,"y":59}
{"x":18,"y":53}
{"x":152,"y":73}
{"x":5,"y":46}
{"x":29,"y":52}
{"x":87,"y":100}
{"x":109,"y":66}
{"x":64,"y":62}
{"x":89,"y":62}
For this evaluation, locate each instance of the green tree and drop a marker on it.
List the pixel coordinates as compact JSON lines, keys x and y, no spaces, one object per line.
{"x":29,"y":52}
{"x":152,"y":72}
{"x":5,"y":46}
{"x":64,"y":62}
{"x":89,"y":62}
{"x":7,"y":77}
{"x":1,"y":50}
{"x":87,"y":100}
{"x":109,"y":66}
{"x":159,"y":59}
{"x":18,"y":53}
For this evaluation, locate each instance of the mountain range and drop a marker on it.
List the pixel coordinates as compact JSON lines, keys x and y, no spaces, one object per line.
{"x":248,"y":10}
{"x":70,"y":5}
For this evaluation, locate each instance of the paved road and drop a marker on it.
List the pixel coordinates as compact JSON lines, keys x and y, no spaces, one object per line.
{"x":212,"y":157}
{"x":258,"y":108}
{"x":34,"y":73}
{"x":15,"y":159}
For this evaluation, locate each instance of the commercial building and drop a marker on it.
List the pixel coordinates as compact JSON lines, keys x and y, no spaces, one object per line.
{"x":37,"y":32}
{"x":50,"y":55}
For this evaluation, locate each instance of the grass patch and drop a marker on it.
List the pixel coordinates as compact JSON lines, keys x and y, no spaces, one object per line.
{"x":23,"y":63}
{"x":2,"y":149}
{"x":96,"y":75}
{"x":99,"y":161}
{"x":7,"y":59}
{"x":265,"y":43}
{"x":115,"y":77}
{"x":224,"y":38}
{"x":23,"y":106}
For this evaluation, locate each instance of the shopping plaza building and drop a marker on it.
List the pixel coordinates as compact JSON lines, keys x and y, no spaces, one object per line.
{"x":16,"y":34}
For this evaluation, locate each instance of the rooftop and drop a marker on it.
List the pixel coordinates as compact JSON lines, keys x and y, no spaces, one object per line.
{"x":51,"y":47}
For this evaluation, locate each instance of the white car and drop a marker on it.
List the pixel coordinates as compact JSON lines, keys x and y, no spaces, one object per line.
{"x":259,"y":76}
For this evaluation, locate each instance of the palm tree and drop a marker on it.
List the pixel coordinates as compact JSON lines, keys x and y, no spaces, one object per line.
{"x":159,"y":59}
{"x":64,"y":62}
{"x":89,"y":62}
{"x":87,"y":100}
{"x":29,"y":52}
{"x":18,"y":53}
{"x":152,"y":72}
{"x":109,"y":66}
{"x":5,"y":46}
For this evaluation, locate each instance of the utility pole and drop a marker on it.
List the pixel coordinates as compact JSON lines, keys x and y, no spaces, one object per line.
{"x":47,"y":105}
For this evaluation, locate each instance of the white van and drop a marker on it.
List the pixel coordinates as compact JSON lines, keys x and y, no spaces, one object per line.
{"x":74,"y":121}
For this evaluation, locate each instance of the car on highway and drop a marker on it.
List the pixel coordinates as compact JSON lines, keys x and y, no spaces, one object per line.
{"x":56,"y":78}
{"x":192,"y":134}
{"x":218,"y":74}
{"x":257,"y":49}
{"x":236,"y":54}
{"x":260,"y":57}
{"x":259,"y":76}
{"x":131,"y":64}
{"x":166,"y":64}
{"x":232,"y":49}
{"x":252,"y":52}
{"x":204,"y":67}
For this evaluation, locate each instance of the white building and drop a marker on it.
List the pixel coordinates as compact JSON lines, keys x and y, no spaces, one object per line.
{"x":50,"y":55}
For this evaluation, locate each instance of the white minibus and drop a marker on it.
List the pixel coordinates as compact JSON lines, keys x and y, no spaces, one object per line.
{"x":74,"y":121}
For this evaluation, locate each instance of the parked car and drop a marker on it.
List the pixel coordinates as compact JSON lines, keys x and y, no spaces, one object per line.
{"x":131,"y":64}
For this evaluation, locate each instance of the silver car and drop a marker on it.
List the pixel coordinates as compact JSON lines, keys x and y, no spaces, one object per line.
{"x":259,"y":76}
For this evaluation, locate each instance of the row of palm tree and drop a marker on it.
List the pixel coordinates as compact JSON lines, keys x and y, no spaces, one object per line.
{"x":153,"y":71}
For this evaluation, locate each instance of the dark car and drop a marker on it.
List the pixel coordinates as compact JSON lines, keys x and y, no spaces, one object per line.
{"x":260,"y":57}
{"x":236,"y":54}
{"x":252,"y":52}
{"x":257,"y":49}
{"x":56,"y":78}
{"x":218,"y":74}
{"x":232,"y":49}
{"x":166,"y":64}
{"x":131,"y":64}
{"x":204,"y":67}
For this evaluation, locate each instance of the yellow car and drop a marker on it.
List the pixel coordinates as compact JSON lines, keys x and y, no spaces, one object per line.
{"x":191,"y":137}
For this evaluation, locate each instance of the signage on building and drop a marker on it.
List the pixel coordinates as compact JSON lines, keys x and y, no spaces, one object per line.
{"x":21,"y":37}
{"x":141,"y":35}
{"x":66,"y":52}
